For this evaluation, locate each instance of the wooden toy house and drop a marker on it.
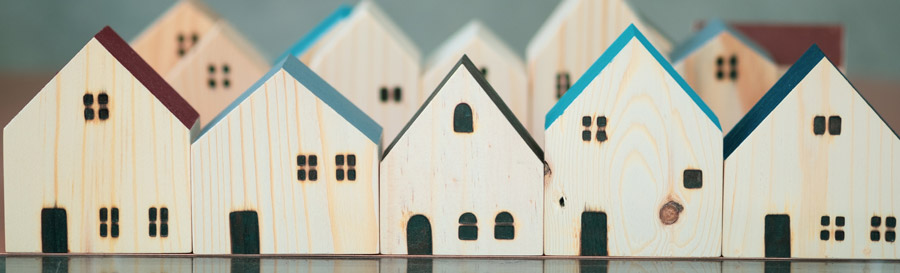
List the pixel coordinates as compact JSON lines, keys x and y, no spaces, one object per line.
{"x":810,"y":172}
{"x":787,"y":42}
{"x":503,"y":69}
{"x":365,"y":56}
{"x":574,"y":35}
{"x":204,"y":58}
{"x":729,"y":71}
{"x":98,"y":161}
{"x":308,"y":45}
{"x":290,"y":167}
{"x":634,"y":161}
{"x":464,"y":177}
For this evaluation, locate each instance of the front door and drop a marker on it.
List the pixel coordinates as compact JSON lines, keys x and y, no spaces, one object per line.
{"x":418,"y":235}
{"x":778,"y":236}
{"x":244,"y":232}
{"x":54,"y":236}
{"x":593,"y":234}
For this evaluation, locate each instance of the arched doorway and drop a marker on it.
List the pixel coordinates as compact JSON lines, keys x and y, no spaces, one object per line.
{"x":418,"y":235}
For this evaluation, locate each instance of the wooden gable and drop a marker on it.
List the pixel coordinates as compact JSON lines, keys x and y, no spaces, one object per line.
{"x":174,"y":34}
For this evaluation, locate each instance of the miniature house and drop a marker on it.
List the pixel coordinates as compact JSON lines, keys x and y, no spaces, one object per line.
{"x":503,"y":69}
{"x":574,"y":35}
{"x":290,"y":167}
{"x":729,"y":71}
{"x":634,"y":163}
{"x":810,"y":172}
{"x":363,"y":54}
{"x":98,"y":161}
{"x":787,"y":42}
{"x":205,"y":59}
{"x":463,"y":177}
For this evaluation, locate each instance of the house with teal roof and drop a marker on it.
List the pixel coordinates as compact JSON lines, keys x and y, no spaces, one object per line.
{"x":633,"y":163}
{"x":810,"y":171}
{"x":290,"y":167}
{"x":306,"y":47}
{"x":727,"y":69}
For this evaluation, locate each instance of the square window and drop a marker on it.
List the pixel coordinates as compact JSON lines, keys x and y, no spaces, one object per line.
{"x":351,"y":175}
{"x":164,"y":230}
{"x":890,"y":236}
{"x":301,"y":160}
{"x":339,"y":160}
{"x":339,"y":175}
{"x":875,"y":236}
{"x":301,"y":175}
{"x":152,"y":214}
{"x":601,"y":121}
{"x":839,"y":221}
{"x":693,"y":179}
{"x":468,"y":232}
{"x":586,"y":135}
{"x":88,"y":114}
{"x":839,"y":235}
{"x":819,"y":125}
{"x":826,"y":220}
{"x":890,"y":221}
{"x":164,"y":214}
{"x":152,"y":231}
{"x":313,"y":175}
{"x":103,"y":113}
{"x":103,"y":214}
{"x":876,"y":221}
{"x":586,"y":121}
{"x":824,"y":235}
{"x":834,"y":125}
{"x":87,"y":99}
{"x":313,"y":160}
{"x":351,"y":160}
{"x":601,"y":135}
{"x":103,"y":98}
{"x":103,"y":230}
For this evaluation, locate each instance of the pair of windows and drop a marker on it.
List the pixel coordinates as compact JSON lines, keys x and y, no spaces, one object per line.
{"x":109,"y":222}
{"x":350,"y":161}
{"x":307,"y":166}
{"x":183,"y":45}
{"x":562,"y":83}
{"x":226,"y":72}
{"x":834,"y":125}
{"x":163,"y":221}
{"x":503,"y":227}
{"x":839,"y":222}
{"x":732,"y":65}
{"x":586,"y":122}
{"x":103,"y":103}
{"x":386,"y":95}
{"x":890,"y":233}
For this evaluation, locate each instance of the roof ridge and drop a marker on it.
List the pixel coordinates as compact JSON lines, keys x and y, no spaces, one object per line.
{"x":711,"y":30}
{"x":317,"y":32}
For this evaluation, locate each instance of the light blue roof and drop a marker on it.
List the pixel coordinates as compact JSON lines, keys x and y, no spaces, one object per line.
{"x":307,"y":41}
{"x":319,"y":88}
{"x":712,"y":29}
{"x":630,"y":33}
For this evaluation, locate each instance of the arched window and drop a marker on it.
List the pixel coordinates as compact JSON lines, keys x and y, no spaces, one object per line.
{"x":462,"y":118}
{"x":503,"y":227}
{"x":468,"y":227}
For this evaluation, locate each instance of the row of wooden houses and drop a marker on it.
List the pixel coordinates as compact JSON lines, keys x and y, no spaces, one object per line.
{"x":336,"y":150}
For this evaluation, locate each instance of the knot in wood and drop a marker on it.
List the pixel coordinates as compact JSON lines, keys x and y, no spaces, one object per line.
{"x":669,"y":212}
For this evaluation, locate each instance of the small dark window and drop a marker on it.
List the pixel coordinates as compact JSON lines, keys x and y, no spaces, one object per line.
{"x":824,"y":235}
{"x":114,"y":231}
{"x":693,"y":179}
{"x":839,"y":221}
{"x":734,"y":69}
{"x":601,"y":135}
{"x":351,"y":160}
{"x":890,"y":236}
{"x":212,"y":83}
{"x":211,"y":69}
{"x":164,"y":214}
{"x":225,"y":68}
{"x":462,"y":118}
{"x":468,"y":227}
{"x":339,"y":174}
{"x":339,"y":160}
{"x":720,"y":63}
{"x":586,"y":135}
{"x":819,"y":125}
{"x":398,"y":94}
{"x":562,"y":84}
{"x":601,"y":129}
{"x":152,"y":214}
{"x":484,"y":71}
{"x":875,"y":236}
{"x":839,"y":235}
{"x":88,"y":99}
{"x":313,"y":161}
{"x":115,"y":215}
{"x":89,"y":113}
{"x":103,"y":230}
{"x":503,"y":227}
{"x":194,"y":38}
{"x":103,"y":214}
{"x":103,"y":113}
{"x":226,"y":83}
{"x":301,"y":160}
{"x":834,"y":125}
{"x":601,"y":121}
{"x":301,"y":175}
{"x":152,"y":230}
{"x":586,"y":121}
{"x":313,"y":175}
{"x":103,"y":98}
{"x":164,"y":230}
{"x":890,"y":221}
{"x":384,"y":94}
{"x":826,"y":220}
{"x":351,"y":175}
{"x":180,"y":38}
{"x":876,"y":221}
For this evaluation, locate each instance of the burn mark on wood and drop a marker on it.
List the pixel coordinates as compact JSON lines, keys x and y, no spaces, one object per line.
{"x":244,"y":227}
{"x":670,"y":212}
{"x":418,"y":235}
{"x":778,"y":236}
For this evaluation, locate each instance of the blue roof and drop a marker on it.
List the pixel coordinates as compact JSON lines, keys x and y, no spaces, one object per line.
{"x":319,"y":88}
{"x":630,"y":33}
{"x":307,"y":41}
{"x":712,"y":29}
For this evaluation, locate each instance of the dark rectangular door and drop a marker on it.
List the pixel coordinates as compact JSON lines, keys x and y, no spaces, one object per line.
{"x":593,"y":234}
{"x":778,"y":236}
{"x":244,"y":232}
{"x":54,"y":234}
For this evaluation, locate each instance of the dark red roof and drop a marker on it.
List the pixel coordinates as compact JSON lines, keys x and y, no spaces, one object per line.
{"x":147,"y":76}
{"x":787,"y":42}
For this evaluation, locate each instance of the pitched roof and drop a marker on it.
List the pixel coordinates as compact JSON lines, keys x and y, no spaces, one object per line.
{"x":369,"y":7}
{"x":141,"y":71}
{"x":307,"y":41}
{"x":774,"y":96}
{"x":712,"y":29}
{"x":479,"y":78}
{"x":787,"y":41}
{"x":471,"y":31}
{"x":319,"y":88}
{"x":630,"y":33}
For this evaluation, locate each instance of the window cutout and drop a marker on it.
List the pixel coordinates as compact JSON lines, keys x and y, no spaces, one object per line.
{"x":834,"y":125}
{"x":339,"y":160}
{"x":87,"y":99}
{"x":484,"y":71}
{"x":384,"y":94}
{"x":839,"y":221}
{"x":586,"y":121}
{"x":351,"y":175}
{"x":103,"y":113}
{"x":152,"y":214}
{"x":212,"y":83}
{"x":468,"y":227}
{"x":601,"y":121}
{"x":339,"y":174}
{"x":398,"y":94}
{"x":503,"y":227}
{"x":890,"y":221}
{"x":152,"y":230}
{"x":875,"y":236}
{"x":103,"y":214}
{"x":890,"y":236}
{"x":693,"y":179}
{"x":601,"y":135}
{"x":313,"y":175}
{"x":164,"y":214}
{"x":103,"y":230}
{"x":562,"y":84}
{"x":839,"y":235}
{"x":88,"y":114}
{"x":819,"y":125}
{"x":876,"y":221}
{"x":194,"y":38}
{"x":301,"y":175}
{"x":586,"y":135}
{"x":164,"y":230}
{"x":114,"y":217}
{"x":719,"y":68}
{"x":733,"y":62}
{"x":826,"y":221}
{"x":462,"y":118}
{"x":225,"y":68}
{"x":824,"y":235}
{"x":351,"y":160}
{"x":313,"y":160}
{"x":103,"y":99}
{"x":301,"y":160}
{"x":226,"y":83}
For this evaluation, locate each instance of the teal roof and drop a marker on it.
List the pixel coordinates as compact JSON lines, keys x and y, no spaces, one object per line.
{"x":712,"y":29}
{"x":307,"y":41}
{"x":319,"y":88}
{"x":630,"y":33}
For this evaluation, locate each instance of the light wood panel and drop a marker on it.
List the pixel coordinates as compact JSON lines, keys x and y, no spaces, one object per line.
{"x":505,"y":70}
{"x":369,"y":53}
{"x":97,"y":264}
{"x":136,"y":159}
{"x":173,"y":32}
{"x":783,"y":167}
{"x":573,"y":37}
{"x":201,"y":78}
{"x":655,"y":131}
{"x":729,"y":98}
{"x":248,"y":161}
{"x":433,"y":171}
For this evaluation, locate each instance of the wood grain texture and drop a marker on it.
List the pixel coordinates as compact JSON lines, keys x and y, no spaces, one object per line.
{"x":368,"y":53}
{"x":655,"y":132}
{"x":505,"y":70}
{"x":136,"y":159}
{"x":97,"y":264}
{"x":285,"y":265}
{"x":235,"y":64}
{"x":573,"y":37}
{"x":782,"y":167}
{"x":248,"y":161}
{"x":729,"y":99}
{"x":433,"y":171}
{"x":461,"y":265}
{"x":159,"y":43}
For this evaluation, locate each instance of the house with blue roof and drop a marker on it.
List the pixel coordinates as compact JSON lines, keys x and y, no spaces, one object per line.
{"x":811,"y":171}
{"x":633,"y":161}
{"x":290,"y":167}
{"x":727,"y":69}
